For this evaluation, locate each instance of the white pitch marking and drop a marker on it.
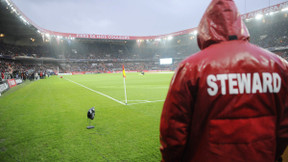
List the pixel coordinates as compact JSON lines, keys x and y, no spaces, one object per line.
{"x":97,"y":92}
{"x":146,"y":102}
{"x":138,"y":100}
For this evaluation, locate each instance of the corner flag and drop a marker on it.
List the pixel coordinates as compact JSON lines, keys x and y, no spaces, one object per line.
{"x":124,"y":74}
{"x":124,"y":77}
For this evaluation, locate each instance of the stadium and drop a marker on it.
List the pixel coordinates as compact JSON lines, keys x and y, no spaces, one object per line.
{"x":49,"y":80}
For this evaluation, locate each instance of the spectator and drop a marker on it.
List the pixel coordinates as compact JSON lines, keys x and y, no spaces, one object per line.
{"x":229,"y":101}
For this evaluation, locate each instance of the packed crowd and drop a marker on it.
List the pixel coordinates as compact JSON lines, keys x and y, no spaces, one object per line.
{"x":15,"y":69}
{"x":270,"y":32}
{"x":12,"y":50}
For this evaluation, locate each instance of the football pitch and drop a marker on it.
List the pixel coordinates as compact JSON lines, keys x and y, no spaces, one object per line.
{"x":46,"y":120}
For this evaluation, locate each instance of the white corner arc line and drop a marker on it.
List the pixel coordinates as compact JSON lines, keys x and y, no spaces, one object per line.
{"x":96,"y":92}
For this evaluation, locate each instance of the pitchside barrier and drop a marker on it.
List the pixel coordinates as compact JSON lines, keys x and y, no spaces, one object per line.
{"x":9,"y":83}
{"x":129,"y":71}
{"x":12,"y":83}
{"x":64,"y":73}
{"x":19,"y":81}
{"x":4,"y":86}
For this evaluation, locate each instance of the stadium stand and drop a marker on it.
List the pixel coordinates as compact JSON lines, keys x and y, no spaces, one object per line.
{"x":26,"y":49}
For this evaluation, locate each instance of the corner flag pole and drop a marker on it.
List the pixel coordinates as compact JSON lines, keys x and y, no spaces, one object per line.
{"x":125,"y":91}
{"x":124,"y":79}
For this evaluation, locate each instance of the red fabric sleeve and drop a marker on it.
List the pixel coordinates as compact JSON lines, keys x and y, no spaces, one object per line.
{"x":282,"y":131}
{"x":176,"y":116}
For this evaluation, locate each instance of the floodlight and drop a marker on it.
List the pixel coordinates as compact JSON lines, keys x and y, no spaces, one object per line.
{"x":170,"y":37}
{"x":90,"y":115}
{"x":285,"y":9}
{"x":7,"y":2}
{"x":259,"y":16}
{"x":158,"y":39}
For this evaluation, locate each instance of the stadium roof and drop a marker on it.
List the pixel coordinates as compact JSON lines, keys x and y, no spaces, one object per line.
{"x":49,"y":17}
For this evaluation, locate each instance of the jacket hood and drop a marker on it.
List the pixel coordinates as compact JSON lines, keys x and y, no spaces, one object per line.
{"x":221,"y":22}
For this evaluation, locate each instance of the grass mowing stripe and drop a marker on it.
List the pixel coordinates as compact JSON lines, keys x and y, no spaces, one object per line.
{"x":96,"y":91}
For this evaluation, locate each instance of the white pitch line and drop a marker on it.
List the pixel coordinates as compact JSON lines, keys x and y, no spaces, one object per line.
{"x":146,"y":102}
{"x":97,"y":92}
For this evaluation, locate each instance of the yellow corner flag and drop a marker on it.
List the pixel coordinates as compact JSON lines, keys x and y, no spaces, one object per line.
{"x":124,"y":74}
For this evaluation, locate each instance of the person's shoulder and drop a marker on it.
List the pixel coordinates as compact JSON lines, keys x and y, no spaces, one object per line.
{"x":189,"y":63}
{"x":271,"y":56}
{"x":193,"y":58}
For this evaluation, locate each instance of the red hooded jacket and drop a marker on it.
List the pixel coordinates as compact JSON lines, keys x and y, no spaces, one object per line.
{"x":228,"y":102}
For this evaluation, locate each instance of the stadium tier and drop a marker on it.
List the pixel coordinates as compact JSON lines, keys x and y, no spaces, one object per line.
{"x":27,"y":48}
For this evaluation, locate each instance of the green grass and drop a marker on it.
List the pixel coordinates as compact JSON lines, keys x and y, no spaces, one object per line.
{"x":46,"y":120}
